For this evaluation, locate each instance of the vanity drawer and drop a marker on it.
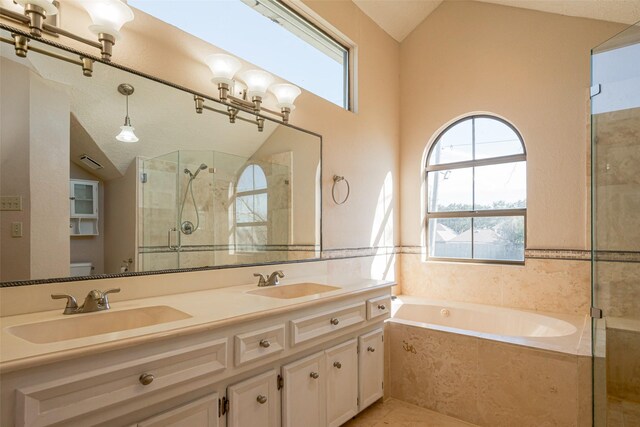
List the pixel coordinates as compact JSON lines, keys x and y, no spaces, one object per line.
{"x":377,"y":307}
{"x":255,"y":345}
{"x":317,"y":325}
{"x":112,"y":390}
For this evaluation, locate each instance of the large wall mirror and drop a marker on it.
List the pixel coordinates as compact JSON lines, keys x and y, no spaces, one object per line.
{"x":194,"y":191}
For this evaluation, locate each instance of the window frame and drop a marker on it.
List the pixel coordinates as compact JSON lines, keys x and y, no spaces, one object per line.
{"x":253,"y":192}
{"x":484,"y":213}
{"x":312,"y":34}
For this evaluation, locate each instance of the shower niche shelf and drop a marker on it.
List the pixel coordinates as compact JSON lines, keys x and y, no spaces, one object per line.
{"x":83,"y":207}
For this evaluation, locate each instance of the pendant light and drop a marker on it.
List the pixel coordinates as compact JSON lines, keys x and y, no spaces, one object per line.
{"x":126,"y":131}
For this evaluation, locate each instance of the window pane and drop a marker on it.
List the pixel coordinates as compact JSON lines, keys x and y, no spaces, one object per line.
{"x":263,"y":33}
{"x":244,"y":209}
{"x":259,"y":179}
{"x":498,"y":238}
{"x":260,"y":207}
{"x":502,"y":186}
{"x":495,"y":139}
{"x":451,"y":190}
{"x":450,"y":237}
{"x":455,"y":145}
{"x":245,"y":182}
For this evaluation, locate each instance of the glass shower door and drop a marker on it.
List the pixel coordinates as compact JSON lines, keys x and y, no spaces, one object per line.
{"x":615,"y":190}
{"x":160,"y":190}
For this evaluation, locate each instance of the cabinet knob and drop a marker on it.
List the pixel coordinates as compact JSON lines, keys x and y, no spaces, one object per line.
{"x":261,"y":399}
{"x":265,"y":343}
{"x":146,"y":379}
{"x":382,"y":307}
{"x":371,"y":349}
{"x":337,"y":365}
{"x":314,"y":375}
{"x":334,"y":321}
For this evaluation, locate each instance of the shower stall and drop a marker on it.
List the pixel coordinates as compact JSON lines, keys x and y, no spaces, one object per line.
{"x":615,"y":191}
{"x":207,"y":208}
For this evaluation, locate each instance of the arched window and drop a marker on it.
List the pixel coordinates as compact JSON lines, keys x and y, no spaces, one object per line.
{"x":477,"y":192}
{"x":251,"y":208}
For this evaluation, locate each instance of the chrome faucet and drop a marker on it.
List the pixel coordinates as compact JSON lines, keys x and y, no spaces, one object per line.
{"x":272,"y":280}
{"x":95,"y":301}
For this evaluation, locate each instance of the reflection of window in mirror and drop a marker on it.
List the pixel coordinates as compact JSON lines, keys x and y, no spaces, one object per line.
{"x":251,"y":209}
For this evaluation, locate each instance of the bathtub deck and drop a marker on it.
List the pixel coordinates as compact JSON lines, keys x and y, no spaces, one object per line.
{"x":396,"y":413}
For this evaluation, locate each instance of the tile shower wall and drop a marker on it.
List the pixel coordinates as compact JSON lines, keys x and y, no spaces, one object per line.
{"x":486,"y":382}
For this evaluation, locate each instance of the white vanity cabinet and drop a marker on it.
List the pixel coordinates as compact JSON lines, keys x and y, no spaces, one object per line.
{"x":304,"y":392}
{"x":315,"y":365}
{"x":255,"y":402}
{"x":371,"y":367}
{"x":342,"y":382}
{"x":201,"y":413}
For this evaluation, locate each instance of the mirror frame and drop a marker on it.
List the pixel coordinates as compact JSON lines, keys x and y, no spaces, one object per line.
{"x":9,"y":28}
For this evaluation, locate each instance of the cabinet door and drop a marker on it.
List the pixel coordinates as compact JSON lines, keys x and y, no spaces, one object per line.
{"x":304,"y":392}
{"x":84,"y":198}
{"x":202,"y":413}
{"x":255,"y":402}
{"x":342,"y":382}
{"x":371,"y":367}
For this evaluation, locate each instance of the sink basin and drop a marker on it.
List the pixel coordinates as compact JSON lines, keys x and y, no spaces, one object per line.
{"x":89,"y":324}
{"x":293,"y":291}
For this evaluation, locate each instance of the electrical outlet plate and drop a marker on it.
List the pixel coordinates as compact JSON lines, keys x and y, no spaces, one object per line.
{"x":11,"y":203}
{"x":16,"y":229}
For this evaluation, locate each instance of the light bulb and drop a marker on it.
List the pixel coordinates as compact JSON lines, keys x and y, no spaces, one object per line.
{"x":108,"y":16}
{"x":126,"y":134}
{"x":286,"y":94}
{"x":257,"y":82}
{"x":47,"y":5}
{"x":223,"y":67}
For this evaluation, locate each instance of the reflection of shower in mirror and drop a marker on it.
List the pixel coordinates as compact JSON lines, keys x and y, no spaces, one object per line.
{"x":187,"y":227}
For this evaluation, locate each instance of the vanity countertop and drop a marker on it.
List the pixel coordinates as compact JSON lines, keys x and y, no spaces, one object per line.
{"x":208,"y":309}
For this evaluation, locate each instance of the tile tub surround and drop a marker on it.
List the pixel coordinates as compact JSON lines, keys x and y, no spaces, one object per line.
{"x":485,"y":382}
{"x":551,"y":285}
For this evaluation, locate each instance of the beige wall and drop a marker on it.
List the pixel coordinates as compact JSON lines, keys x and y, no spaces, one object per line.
{"x":533,"y":69}
{"x":529,"y":67}
{"x":36,"y":148}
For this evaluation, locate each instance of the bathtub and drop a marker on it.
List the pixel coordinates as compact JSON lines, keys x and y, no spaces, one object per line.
{"x":549,"y":331}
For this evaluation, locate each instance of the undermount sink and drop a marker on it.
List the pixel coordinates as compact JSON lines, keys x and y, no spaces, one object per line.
{"x":89,"y":324}
{"x":293,"y":291}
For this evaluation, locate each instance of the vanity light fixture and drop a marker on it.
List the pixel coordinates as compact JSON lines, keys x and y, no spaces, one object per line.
{"x":126,"y":131}
{"x":247,"y":96}
{"x":108,"y":17}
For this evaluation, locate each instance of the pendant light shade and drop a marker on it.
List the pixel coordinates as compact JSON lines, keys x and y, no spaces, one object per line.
{"x":127,"y":135}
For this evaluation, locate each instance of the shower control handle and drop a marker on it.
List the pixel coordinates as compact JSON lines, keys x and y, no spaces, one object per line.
{"x":169,"y":245}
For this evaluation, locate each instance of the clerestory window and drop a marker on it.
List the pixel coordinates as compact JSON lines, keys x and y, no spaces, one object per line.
{"x":476,"y":176}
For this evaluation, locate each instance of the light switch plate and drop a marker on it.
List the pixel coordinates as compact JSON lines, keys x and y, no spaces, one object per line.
{"x":11,"y":203}
{"x":16,"y":229}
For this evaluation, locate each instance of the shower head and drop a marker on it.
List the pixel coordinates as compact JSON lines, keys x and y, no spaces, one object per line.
{"x":193,"y":175}
{"x":201,"y":168}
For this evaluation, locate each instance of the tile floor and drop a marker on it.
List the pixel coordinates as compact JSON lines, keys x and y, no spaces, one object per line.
{"x":396,"y":413}
{"x":622,"y":413}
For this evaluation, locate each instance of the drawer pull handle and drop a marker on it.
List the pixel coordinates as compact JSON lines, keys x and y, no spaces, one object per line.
{"x":314,"y":375}
{"x":146,"y":379}
{"x":334,"y":321}
{"x":261,"y":399}
{"x":371,"y":349}
{"x":337,"y":365}
{"x":382,"y":307}
{"x":265,"y":343}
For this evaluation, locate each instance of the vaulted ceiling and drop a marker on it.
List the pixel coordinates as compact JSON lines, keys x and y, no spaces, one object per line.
{"x":400,"y":17}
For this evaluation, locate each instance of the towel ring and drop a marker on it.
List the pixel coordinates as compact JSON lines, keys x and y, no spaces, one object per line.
{"x":337,"y":179}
